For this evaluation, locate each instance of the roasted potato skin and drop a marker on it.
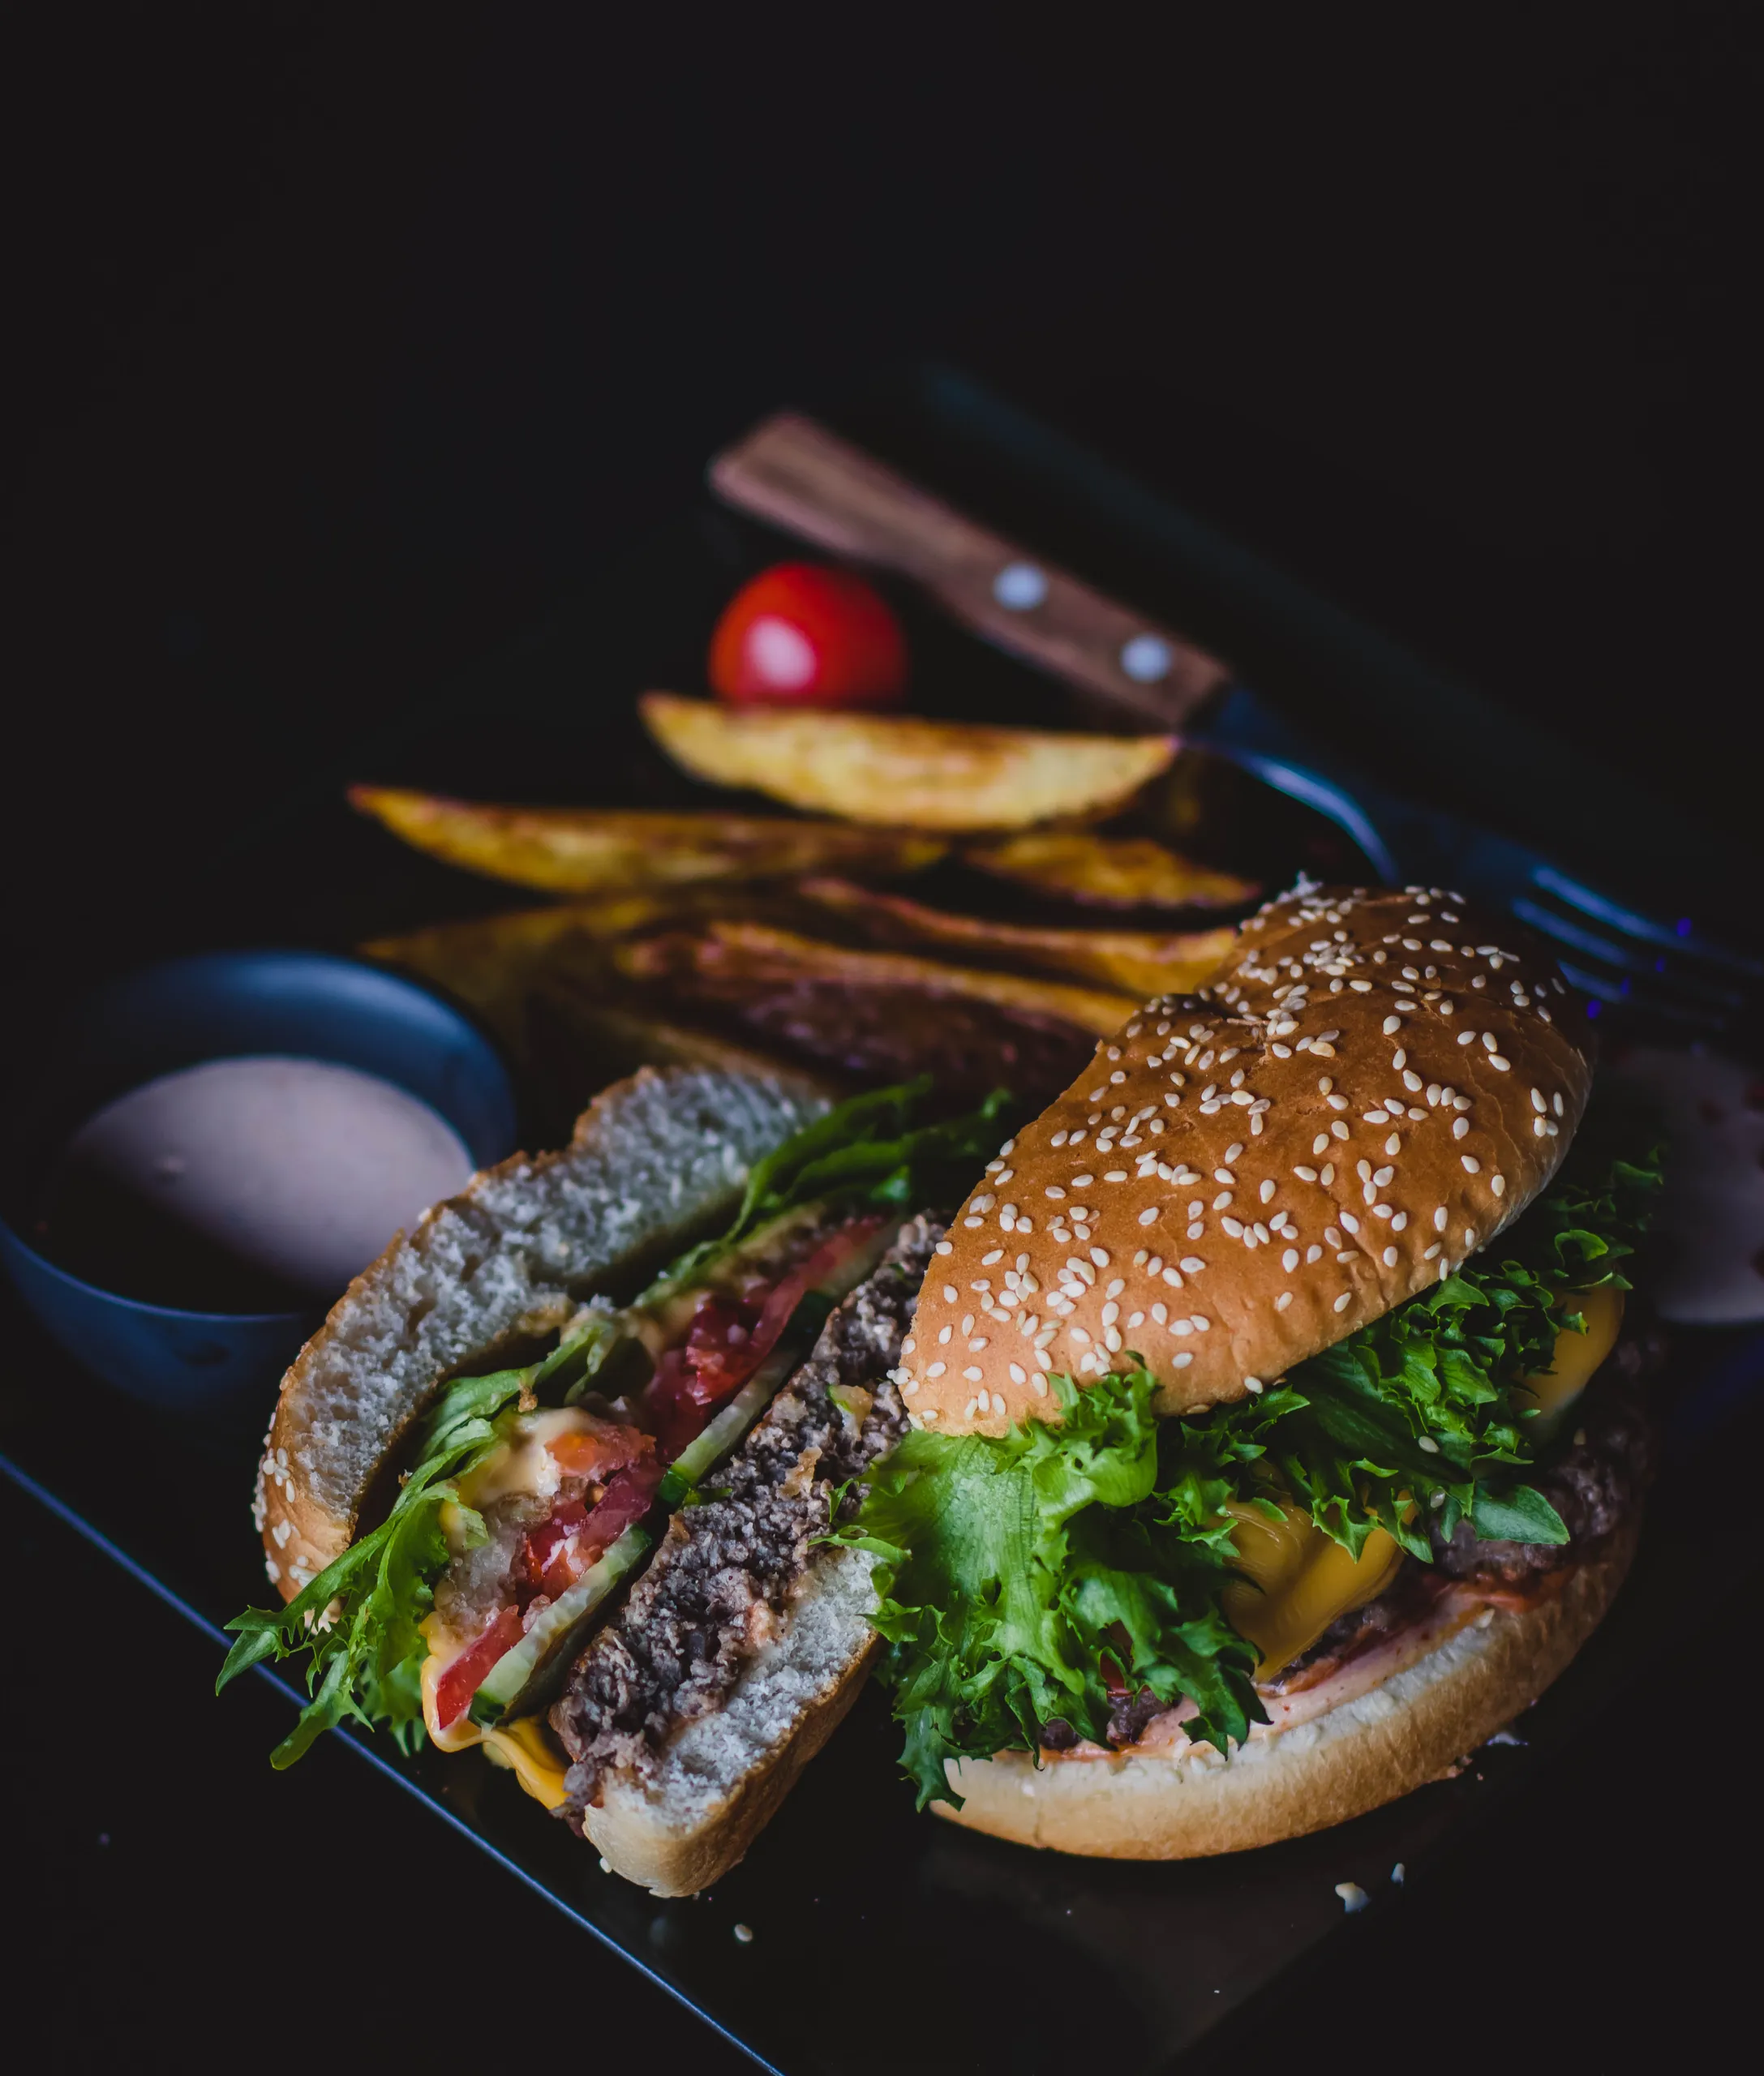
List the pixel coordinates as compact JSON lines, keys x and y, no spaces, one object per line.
{"x":1107,"y":871}
{"x":608,"y":851}
{"x":1138,"y":962}
{"x":902,"y":772}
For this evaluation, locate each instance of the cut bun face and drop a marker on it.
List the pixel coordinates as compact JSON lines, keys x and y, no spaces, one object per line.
{"x":654,"y":1160}
{"x":1375,"y":1083}
{"x":1382,"y":1744}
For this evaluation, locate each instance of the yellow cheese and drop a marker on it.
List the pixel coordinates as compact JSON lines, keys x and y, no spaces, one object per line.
{"x":462,"y":1735}
{"x":524,"y":1464}
{"x":1298,"y":1581}
{"x":528,"y":1749}
{"x":525,"y":1747}
{"x":1576,"y":1356}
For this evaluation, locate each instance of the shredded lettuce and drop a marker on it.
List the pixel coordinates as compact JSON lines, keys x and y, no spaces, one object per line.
{"x":359,"y":1620}
{"x":1017,"y":1574}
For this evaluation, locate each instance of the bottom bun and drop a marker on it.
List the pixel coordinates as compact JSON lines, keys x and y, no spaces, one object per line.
{"x":684,"y":1825}
{"x":1146,"y":1805}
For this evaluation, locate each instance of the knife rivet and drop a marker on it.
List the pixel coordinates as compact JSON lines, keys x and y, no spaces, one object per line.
{"x":1020,"y":586}
{"x":1146,"y":659}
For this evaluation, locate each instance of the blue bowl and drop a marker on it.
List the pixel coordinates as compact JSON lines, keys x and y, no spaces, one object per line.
{"x":216,"y":1005}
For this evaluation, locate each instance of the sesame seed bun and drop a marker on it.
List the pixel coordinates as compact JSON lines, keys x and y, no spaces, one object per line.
{"x":1380,"y":1743}
{"x":1374,"y":1086}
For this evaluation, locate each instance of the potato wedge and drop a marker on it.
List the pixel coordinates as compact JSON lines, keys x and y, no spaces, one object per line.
{"x":784,"y":951}
{"x":492,"y":963}
{"x":898,"y":772}
{"x":1142,"y":962}
{"x":594,"y":850}
{"x":1110,"y":872}
{"x":870,"y":1018}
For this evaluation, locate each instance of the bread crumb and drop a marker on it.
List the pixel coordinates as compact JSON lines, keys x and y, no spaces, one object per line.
{"x":1354,"y":1897}
{"x":1397,"y":1873}
{"x":744,"y":1935}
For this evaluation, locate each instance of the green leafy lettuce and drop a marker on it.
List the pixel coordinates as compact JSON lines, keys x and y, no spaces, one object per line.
{"x":359,"y":1620}
{"x":1017,"y":1574}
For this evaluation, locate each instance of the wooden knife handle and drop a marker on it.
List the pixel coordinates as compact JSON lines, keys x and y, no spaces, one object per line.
{"x":800,"y":477}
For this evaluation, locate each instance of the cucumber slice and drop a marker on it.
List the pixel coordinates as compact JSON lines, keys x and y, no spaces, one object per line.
{"x":714,"y":1441}
{"x":521,"y":1679}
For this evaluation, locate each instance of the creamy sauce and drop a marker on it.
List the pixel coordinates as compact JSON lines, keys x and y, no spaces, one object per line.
{"x":243,"y":1185}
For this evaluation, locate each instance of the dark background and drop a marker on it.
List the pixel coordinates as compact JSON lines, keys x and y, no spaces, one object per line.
{"x":339,"y":346}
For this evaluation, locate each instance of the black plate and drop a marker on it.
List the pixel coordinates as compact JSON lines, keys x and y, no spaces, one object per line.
{"x":1138,"y":1962}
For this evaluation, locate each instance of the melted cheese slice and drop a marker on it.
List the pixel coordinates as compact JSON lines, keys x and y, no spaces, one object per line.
{"x":526,"y":1748}
{"x":1300,"y":1581}
{"x":1576,"y":1356}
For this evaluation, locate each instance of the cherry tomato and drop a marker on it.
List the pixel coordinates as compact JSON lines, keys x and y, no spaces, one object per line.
{"x":801,"y":635}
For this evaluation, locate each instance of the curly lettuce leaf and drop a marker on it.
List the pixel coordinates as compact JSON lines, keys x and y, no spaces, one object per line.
{"x":1007,"y":1568}
{"x":1032,"y":1578}
{"x":359,"y":1619}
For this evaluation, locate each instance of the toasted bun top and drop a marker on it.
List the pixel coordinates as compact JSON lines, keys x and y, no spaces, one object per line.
{"x":1374,"y":1085}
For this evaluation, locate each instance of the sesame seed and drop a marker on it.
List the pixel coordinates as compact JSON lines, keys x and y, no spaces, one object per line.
{"x":1306,"y":1174}
{"x":1429,"y":1253}
{"x":1460,"y":1126}
{"x":1100,"y":1256}
{"x":1391,"y":1257}
{"x":973,"y":1376}
{"x":936,"y":1369}
{"x":1313,"y":1253}
{"x":1180,"y":1359}
{"x":1499,"y":1062}
{"x":1391,"y":1023}
{"x":1472,"y":1165}
{"x":1498,"y":1184}
{"x":1438,"y":1219}
{"x":1343,"y":1301}
{"x":1383,"y":1179}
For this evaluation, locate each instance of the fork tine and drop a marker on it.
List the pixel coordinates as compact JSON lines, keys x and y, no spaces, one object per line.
{"x":1680,"y":938}
{"x":1628,"y":962}
{"x":1618,"y":992}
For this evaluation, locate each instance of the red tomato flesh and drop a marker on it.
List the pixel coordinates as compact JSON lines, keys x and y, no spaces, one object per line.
{"x":691,"y":1381}
{"x":802,"y":635}
{"x":468,"y":1672}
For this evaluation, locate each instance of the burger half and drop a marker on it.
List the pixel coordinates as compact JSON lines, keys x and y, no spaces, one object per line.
{"x":1275,"y":1436}
{"x":554,"y":1478}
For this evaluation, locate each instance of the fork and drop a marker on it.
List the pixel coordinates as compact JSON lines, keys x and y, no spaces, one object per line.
{"x":1661,"y":973}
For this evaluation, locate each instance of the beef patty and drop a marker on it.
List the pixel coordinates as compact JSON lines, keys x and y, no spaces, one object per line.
{"x":727,"y":1567}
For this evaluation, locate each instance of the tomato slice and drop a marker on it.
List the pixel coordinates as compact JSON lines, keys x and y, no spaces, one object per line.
{"x":627,"y":1498}
{"x":544,"y":1542}
{"x":461,"y":1679}
{"x":692,"y":1381}
{"x":803,"y":635}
